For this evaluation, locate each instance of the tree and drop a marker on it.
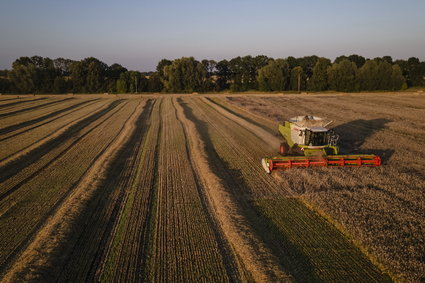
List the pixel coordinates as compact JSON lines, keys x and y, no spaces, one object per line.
{"x":292,"y":62}
{"x":223,"y":74}
{"x":342,"y":76}
{"x":161,"y":65}
{"x":35,"y":74}
{"x":397,"y":80}
{"x":5,"y":83}
{"x":45,"y":74}
{"x":63,"y":66}
{"x":307,"y":63}
{"x":357,"y":59}
{"x":340,"y":58}
{"x":274,"y":76}
{"x":134,"y":80}
{"x":384,"y":76}
{"x":95,"y":77}
{"x":184,"y":75}
{"x":154,"y":83}
{"x":244,"y":71}
{"x":236,"y":74}
{"x":78,"y":75}
{"x":210,"y":69}
{"x":368,"y":76}
{"x":23,"y":76}
{"x":122,"y":83}
{"x":388,"y":59}
{"x":114,"y":71}
{"x":319,"y":79}
{"x":415,"y":72}
{"x":59,"y":85}
{"x":209,"y":66}
{"x":297,"y":81}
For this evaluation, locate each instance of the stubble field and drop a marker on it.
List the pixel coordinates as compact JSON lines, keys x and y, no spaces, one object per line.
{"x":170,"y":188}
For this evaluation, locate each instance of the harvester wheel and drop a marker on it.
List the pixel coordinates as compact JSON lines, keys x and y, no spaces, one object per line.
{"x":283,"y":149}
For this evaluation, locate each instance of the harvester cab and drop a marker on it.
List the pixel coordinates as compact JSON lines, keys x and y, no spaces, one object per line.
{"x":308,"y":135}
{"x":307,"y":141}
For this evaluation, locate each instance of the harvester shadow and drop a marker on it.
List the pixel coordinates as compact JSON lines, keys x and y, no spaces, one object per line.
{"x":91,"y":230}
{"x":291,"y":258}
{"x":354,"y":134}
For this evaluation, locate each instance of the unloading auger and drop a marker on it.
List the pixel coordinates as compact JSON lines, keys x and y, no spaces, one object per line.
{"x":309,"y":143}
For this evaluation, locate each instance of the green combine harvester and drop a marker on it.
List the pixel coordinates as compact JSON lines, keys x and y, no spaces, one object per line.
{"x":309,"y":143}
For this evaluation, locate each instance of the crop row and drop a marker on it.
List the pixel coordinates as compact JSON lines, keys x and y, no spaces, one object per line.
{"x":127,"y":252}
{"x":185,"y":247}
{"x":148,"y":220}
{"x":24,"y":138}
{"x":29,"y":164}
{"x":45,"y":256}
{"x":43,"y":185}
{"x":17,"y":124}
{"x":32,"y":106}
{"x":18,"y":102}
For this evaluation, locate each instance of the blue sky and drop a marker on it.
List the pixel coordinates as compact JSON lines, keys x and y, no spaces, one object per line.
{"x":137,"y":34}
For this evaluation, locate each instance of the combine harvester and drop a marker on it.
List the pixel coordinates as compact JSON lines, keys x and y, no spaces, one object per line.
{"x":309,"y":143}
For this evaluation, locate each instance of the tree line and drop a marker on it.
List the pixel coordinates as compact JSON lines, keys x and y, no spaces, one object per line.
{"x":186,"y":75}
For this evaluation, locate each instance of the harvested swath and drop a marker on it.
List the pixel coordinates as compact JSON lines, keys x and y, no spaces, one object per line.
{"x":19,"y":143}
{"x":96,"y":233}
{"x":250,"y":176}
{"x":7,"y":100}
{"x":41,"y":252}
{"x":136,"y":219}
{"x":42,"y":152}
{"x":31,"y":118}
{"x":23,"y":210}
{"x":7,"y":113}
{"x":382,"y":209}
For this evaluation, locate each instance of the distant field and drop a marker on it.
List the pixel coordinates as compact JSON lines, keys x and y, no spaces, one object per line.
{"x":171,"y":188}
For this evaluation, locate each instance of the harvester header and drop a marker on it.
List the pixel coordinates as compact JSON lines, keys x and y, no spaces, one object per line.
{"x":308,"y":142}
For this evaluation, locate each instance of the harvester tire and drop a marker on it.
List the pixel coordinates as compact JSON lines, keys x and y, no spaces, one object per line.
{"x":283,"y":149}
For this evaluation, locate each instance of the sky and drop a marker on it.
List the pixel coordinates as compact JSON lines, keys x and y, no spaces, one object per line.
{"x":137,"y":34}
